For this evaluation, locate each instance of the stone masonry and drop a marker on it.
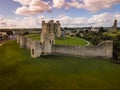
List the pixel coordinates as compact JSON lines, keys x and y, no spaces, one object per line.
{"x":47,"y":45}
{"x":50,"y":30}
{"x":114,"y":27}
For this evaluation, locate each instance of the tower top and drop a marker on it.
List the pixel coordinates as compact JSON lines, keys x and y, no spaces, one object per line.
{"x":51,"y":21}
{"x":43,"y":22}
{"x":57,"y":22}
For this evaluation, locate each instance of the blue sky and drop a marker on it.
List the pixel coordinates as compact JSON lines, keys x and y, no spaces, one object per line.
{"x":71,"y":13}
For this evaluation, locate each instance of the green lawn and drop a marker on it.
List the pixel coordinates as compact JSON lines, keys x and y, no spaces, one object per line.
{"x":34,"y":36}
{"x":71,"y":41}
{"x":18,"y":71}
{"x":67,"y":41}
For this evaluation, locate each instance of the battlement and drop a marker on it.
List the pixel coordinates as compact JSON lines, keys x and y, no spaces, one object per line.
{"x":51,"y":22}
{"x":43,"y":22}
{"x":57,"y":22}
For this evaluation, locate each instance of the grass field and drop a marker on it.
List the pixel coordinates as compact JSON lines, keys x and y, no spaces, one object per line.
{"x":18,"y":71}
{"x":34,"y":36}
{"x":71,"y":41}
{"x":67,"y":41}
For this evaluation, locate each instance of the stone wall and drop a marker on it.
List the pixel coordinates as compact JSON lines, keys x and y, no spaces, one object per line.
{"x":36,"y":49}
{"x":18,"y":38}
{"x":104,"y":49}
{"x":23,"y":41}
{"x":29,"y":42}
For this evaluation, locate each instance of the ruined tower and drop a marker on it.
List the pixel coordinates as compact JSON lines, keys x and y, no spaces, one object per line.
{"x":50,"y":30}
{"x":57,"y":29}
{"x":114,"y":27}
{"x":44,"y":47}
{"x":47,"y":36}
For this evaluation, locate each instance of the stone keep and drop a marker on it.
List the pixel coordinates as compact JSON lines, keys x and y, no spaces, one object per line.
{"x":49,"y":31}
{"x":47,"y":40}
{"x":52,"y":27}
{"x":48,"y":36}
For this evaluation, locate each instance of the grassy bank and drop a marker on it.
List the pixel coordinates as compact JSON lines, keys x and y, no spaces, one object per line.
{"x":67,"y":41}
{"x":18,"y":71}
{"x":71,"y":41}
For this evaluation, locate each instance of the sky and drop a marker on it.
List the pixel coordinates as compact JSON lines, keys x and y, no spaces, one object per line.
{"x":70,"y":13}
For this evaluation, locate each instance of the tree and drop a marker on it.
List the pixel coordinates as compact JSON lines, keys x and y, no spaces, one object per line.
{"x":101,"y":30}
{"x":116,"y":48}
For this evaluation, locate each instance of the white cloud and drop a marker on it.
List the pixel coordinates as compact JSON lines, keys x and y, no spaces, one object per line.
{"x":93,"y":5}
{"x":58,"y":3}
{"x":23,"y":2}
{"x":32,"y":7}
{"x":26,"y":22}
{"x":39,"y":6}
{"x":2,"y":22}
{"x":41,"y":18}
{"x":117,"y":16}
{"x":101,"y":18}
{"x":104,"y":19}
{"x":90,"y":5}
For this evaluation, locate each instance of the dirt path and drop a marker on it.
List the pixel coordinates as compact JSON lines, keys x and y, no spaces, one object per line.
{"x":88,"y":43}
{"x":1,"y":43}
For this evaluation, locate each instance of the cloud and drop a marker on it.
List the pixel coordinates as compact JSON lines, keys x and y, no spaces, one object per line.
{"x":26,"y":22}
{"x":98,"y":20}
{"x":23,"y":2}
{"x":59,"y":3}
{"x":117,"y":16}
{"x":90,"y":5}
{"x":39,"y":6}
{"x":2,"y":22}
{"x":101,"y":18}
{"x":32,"y":7}
{"x":93,"y":5}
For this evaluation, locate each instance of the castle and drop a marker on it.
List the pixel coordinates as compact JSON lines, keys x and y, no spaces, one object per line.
{"x":47,"y":46}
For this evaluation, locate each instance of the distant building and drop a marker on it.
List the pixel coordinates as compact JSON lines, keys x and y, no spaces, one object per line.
{"x":3,"y":35}
{"x":72,"y":34}
{"x":114,"y":27}
{"x":94,"y":29}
